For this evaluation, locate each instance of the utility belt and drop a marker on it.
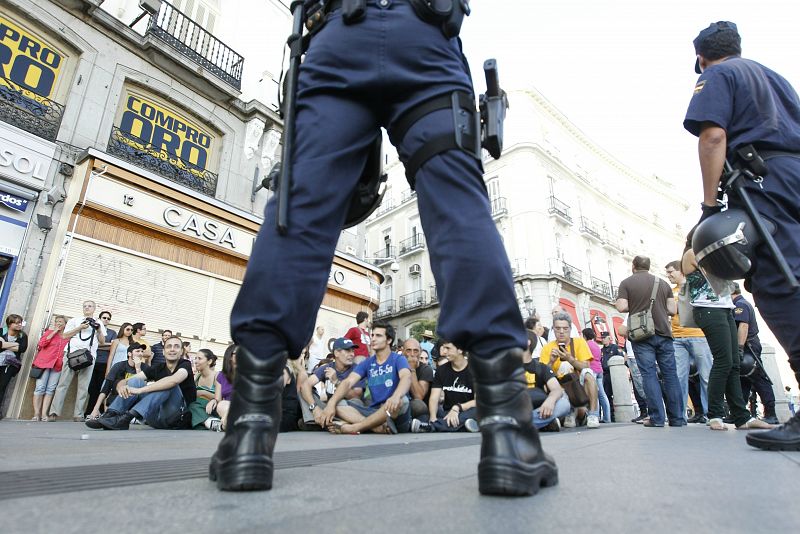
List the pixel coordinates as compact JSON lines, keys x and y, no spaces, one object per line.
{"x":751,"y":159}
{"x":446,"y":14}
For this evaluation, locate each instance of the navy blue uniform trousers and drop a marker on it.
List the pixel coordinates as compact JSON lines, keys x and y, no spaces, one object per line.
{"x":354,"y":80}
{"x":779,"y":202}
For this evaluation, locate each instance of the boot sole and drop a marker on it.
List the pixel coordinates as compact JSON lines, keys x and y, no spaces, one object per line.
{"x":515,"y":478}
{"x":767,"y":445}
{"x":242,"y":474}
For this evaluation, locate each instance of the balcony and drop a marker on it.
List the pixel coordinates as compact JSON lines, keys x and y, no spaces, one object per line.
{"x":601,"y":286}
{"x":134,"y":150}
{"x":28,"y":111}
{"x":612,"y":244}
{"x":187,"y":37}
{"x":434,"y":295}
{"x":386,"y":308}
{"x":590,"y":229}
{"x":415,"y":299}
{"x":407,"y":195}
{"x":499,"y":207}
{"x":614,"y":292}
{"x":412,"y":244}
{"x":572,"y":273}
{"x":384,"y":256}
{"x":519,"y":267}
{"x":559,"y":211}
{"x":386,"y":206}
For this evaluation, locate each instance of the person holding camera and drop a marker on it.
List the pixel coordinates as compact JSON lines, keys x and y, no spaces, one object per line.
{"x":90,"y":332}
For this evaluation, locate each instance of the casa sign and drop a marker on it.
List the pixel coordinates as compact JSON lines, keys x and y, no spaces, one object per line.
{"x":191,"y":223}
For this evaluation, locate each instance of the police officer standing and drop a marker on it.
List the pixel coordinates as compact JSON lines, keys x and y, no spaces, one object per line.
{"x":373,"y":64}
{"x":754,"y":378}
{"x":738,"y":102}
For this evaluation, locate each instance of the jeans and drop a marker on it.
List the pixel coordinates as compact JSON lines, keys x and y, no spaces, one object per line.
{"x":156,"y":408}
{"x":46,"y":384}
{"x":723,"y":382}
{"x":602,"y":399}
{"x":440,"y":425}
{"x":688,"y":349}
{"x":659,"y":349}
{"x":561,"y":409}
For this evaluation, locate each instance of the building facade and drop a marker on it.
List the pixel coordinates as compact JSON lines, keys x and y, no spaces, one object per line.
{"x":571,"y":216}
{"x":130,"y":173}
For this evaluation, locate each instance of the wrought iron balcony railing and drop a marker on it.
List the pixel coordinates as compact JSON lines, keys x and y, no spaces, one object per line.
{"x":28,"y":111}
{"x":559,"y":209}
{"x":190,"y":39}
{"x":387,"y":205}
{"x":412,"y":300}
{"x":571,"y":273}
{"x":499,"y":207}
{"x":614,"y":292}
{"x":590,"y":229}
{"x":407,"y":195}
{"x":386,"y":308}
{"x":601,"y":286}
{"x":383,"y":256}
{"x":142,"y":154}
{"x":415,"y":242}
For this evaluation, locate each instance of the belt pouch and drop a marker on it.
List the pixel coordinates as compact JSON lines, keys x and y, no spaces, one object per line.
{"x":354,"y":11}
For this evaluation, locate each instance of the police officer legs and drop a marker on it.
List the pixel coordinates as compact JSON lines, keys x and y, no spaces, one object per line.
{"x":354,"y":79}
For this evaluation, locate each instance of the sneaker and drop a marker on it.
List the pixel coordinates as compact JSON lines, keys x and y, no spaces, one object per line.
{"x":640,"y":419}
{"x":420,"y":427}
{"x":216,"y":425}
{"x":771,"y":420}
{"x":94,"y":424}
{"x":786,"y":437}
{"x":472,"y":425}
{"x":569,"y":420}
{"x":115,"y":421}
{"x":593,"y":422}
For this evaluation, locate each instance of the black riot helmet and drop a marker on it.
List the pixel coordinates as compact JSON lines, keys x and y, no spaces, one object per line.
{"x":724,"y":244}
{"x":371,"y":186}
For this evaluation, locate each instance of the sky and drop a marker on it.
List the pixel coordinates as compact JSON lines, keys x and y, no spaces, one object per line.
{"x":623,"y":71}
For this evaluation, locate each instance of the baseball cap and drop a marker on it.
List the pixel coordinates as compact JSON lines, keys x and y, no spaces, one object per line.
{"x":714,"y":27}
{"x":605,"y":334}
{"x":133,"y":346}
{"x":344,"y":343}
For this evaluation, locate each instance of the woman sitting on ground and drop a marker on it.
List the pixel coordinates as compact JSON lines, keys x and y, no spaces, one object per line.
{"x":206,"y":383}
{"x":223,"y":390}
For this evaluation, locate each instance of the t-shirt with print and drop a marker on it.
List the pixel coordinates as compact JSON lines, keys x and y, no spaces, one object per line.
{"x":381,"y":378}
{"x":637,"y":288}
{"x":537,"y":374}
{"x":330,"y":387}
{"x":581,"y":353}
{"x":456,"y":385}
{"x":360,"y":338}
{"x":160,"y":370}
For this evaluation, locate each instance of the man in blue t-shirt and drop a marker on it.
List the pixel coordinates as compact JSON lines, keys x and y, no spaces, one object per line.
{"x":738,"y":102}
{"x":388,"y":379}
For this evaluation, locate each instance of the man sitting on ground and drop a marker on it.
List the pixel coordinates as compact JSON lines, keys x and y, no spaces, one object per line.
{"x":550,"y":401}
{"x":331,"y":375}
{"x":388,"y":381}
{"x":454,"y":381}
{"x":567,"y":354}
{"x":119,"y":371}
{"x":158,"y":404}
{"x":421,"y":378}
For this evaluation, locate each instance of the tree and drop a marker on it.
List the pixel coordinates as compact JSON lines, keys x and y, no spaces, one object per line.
{"x":419,"y":327}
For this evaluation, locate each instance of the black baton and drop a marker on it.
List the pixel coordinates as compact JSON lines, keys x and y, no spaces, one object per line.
{"x":735,"y":182}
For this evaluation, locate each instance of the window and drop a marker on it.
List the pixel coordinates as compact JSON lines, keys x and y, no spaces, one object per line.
{"x":493,"y":187}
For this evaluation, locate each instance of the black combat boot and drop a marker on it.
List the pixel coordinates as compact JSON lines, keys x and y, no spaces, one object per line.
{"x":512,"y":460}
{"x":786,"y":437}
{"x":243,"y":461}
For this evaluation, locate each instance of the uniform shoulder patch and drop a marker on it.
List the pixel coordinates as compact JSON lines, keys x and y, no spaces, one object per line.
{"x":738,"y":311}
{"x":699,"y":86}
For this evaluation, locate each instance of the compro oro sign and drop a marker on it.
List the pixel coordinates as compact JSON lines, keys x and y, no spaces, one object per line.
{"x":149,"y":125}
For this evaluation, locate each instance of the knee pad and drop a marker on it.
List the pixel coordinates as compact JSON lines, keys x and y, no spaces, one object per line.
{"x":466,"y":135}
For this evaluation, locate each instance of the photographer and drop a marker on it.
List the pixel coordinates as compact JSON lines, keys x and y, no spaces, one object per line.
{"x":89,"y":334}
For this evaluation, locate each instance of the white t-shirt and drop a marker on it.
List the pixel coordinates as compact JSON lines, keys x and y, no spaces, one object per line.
{"x":84,"y":339}
{"x":316,"y":351}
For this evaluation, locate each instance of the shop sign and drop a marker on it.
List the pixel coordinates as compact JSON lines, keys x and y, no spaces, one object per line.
{"x":14,"y":202}
{"x":24,"y":156}
{"x":28,"y":61}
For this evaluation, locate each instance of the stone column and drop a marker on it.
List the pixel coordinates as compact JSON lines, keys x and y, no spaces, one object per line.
{"x":771,"y":367}
{"x":623,"y":398}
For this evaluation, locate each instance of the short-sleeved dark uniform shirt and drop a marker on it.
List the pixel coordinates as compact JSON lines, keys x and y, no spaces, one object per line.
{"x":637,"y":288}
{"x":750,"y":102}
{"x":744,"y":313}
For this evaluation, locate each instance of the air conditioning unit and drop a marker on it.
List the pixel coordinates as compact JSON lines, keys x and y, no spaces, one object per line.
{"x":415,"y":270}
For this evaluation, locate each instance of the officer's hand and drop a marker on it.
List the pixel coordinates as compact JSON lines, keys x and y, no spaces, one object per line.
{"x":708,"y":211}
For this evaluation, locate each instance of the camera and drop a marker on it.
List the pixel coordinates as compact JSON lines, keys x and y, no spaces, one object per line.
{"x":91,"y":322}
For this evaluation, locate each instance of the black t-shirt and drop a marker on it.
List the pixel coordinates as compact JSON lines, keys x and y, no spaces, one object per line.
{"x":424,"y":372}
{"x":160,"y":370}
{"x":119,"y":371}
{"x":537,"y":374}
{"x":456,"y":385}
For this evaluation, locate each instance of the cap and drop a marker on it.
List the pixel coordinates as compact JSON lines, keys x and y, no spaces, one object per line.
{"x":605,"y":334}
{"x":133,"y":346}
{"x":428,"y":333}
{"x":713,"y":28}
{"x":344,"y":343}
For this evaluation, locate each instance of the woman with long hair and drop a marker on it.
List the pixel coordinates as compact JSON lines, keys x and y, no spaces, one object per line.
{"x":223,"y":389}
{"x":118,"y":351}
{"x":713,"y":313}
{"x":206,"y":383}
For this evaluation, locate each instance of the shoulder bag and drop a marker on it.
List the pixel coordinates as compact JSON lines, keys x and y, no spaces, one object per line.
{"x":81,"y":358}
{"x":640,"y":324}
{"x":571,"y":382}
{"x":685,"y":308}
